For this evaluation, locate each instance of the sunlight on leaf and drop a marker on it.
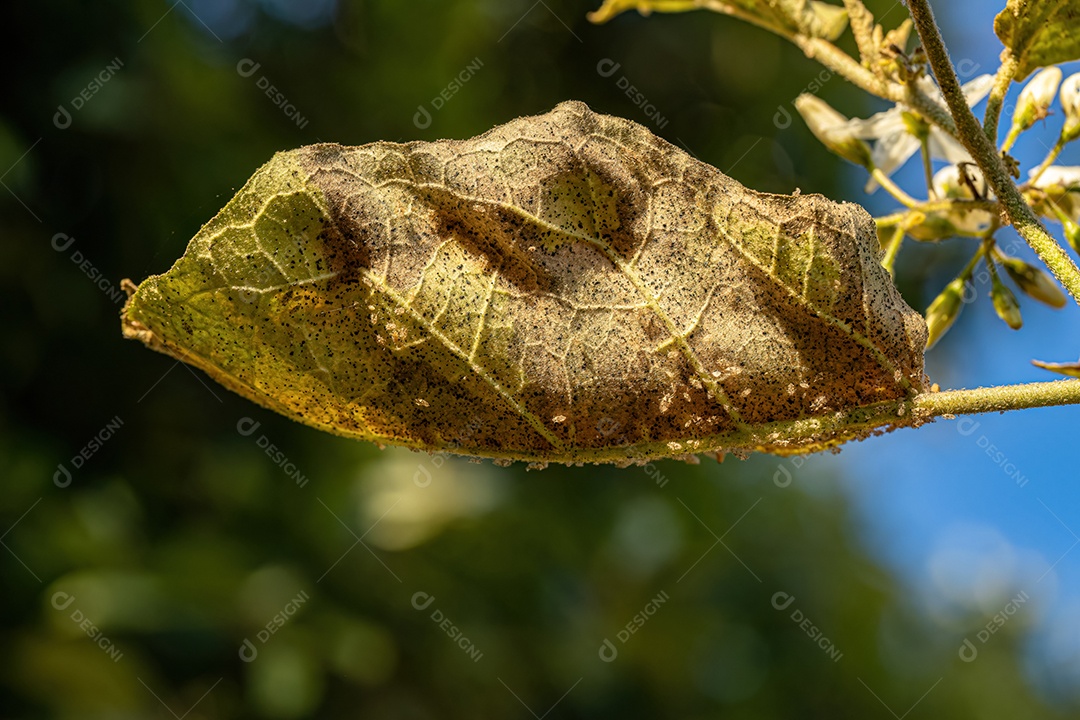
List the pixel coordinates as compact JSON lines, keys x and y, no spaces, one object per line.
{"x":1040,"y":32}
{"x":1071,"y":369}
{"x":566,"y":287}
{"x":812,"y":18}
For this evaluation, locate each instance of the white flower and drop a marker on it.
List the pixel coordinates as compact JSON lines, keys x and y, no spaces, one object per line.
{"x":1061,"y":183}
{"x":893,"y":140}
{"x":1036,"y":97}
{"x":1070,"y":103}
{"x":832,"y":129}
{"x":1067,"y":176}
{"x":948,"y":185}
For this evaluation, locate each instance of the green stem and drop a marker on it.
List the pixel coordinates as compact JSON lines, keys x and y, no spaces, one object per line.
{"x":958,"y":204}
{"x":893,"y":249}
{"x":933,"y":206}
{"x":985,"y":154}
{"x":928,"y":169}
{"x":893,"y":189}
{"x":988,"y":253}
{"x":1047,"y":161}
{"x":969,"y":269}
{"x":886,"y":221}
{"x":1002,"y":80}
{"x":997,"y":399}
{"x":1014,"y":132}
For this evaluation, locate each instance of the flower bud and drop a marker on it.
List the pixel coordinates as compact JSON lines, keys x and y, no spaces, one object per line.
{"x":1072,"y":233}
{"x":948,"y":185}
{"x":1034,"y":282}
{"x":1005,"y":304}
{"x":915,"y":125}
{"x":1070,"y":103}
{"x":1036,"y":97}
{"x":933,"y":227}
{"x":833,"y":130}
{"x":1069,"y":369}
{"x":1061,"y":185}
{"x":943,"y":312}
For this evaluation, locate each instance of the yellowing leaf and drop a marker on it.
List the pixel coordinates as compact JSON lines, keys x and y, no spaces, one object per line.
{"x":1040,"y":32}
{"x":566,"y":287}
{"x":1070,"y":369}
{"x":785,"y":17}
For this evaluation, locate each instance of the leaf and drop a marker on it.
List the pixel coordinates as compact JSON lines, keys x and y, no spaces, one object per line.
{"x":1039,"y":32}
{"x":1071,"y":369}
{"x":566,"y":287}
{"x":784,"y":17}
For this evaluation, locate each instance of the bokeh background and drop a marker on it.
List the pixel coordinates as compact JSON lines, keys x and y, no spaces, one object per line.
{"x":170,"y":549}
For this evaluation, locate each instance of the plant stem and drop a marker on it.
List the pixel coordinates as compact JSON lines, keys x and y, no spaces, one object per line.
{"x":843,"y":64}
{"x":988,"y":253}
{"x":889,"y":261}
{"x":928,"y":169}
{"x":1002,"y":80}
{"x":889,"y":220}
{"x":996,"y":399}
{"x":1014,"y":132}
{"x":969,"y":269}
{"x":985,"y":154}
{"x":1047,"y":161}
{"x":893,"y":189}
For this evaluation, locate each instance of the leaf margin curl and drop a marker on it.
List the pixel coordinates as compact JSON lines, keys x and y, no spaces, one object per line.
{"x":209,"y":312}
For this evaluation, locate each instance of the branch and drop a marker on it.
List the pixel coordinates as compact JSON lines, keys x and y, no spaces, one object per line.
{"x":985,"y":154}
{"x":843,"y":64}
{"x":1002,"y":80}
{"x":998,"y":399}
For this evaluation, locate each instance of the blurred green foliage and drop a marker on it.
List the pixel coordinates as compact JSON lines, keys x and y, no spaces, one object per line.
{"x":179,"y":544}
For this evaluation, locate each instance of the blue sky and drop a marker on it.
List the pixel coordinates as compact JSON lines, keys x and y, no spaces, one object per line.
{"x":958,"y":521}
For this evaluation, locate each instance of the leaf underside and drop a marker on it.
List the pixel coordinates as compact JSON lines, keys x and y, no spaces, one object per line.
{"x":1039,"y":32}
{"x":563,"y":288}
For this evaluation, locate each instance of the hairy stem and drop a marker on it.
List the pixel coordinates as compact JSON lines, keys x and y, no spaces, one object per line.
{"x":985,"y":154}
{"x":997,"y":399}
{"x":893,"y":189}
{"x":843,"y":64}
{"x":1002,"y":80}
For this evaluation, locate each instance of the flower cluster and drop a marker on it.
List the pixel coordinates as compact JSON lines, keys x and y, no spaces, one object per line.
{"x":959,"y":203}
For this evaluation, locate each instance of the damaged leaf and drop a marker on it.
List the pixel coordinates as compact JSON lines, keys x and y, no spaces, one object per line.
{"x":811,"y":18}
{"x":1039,"y":33}
{"x":566,"y":287}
